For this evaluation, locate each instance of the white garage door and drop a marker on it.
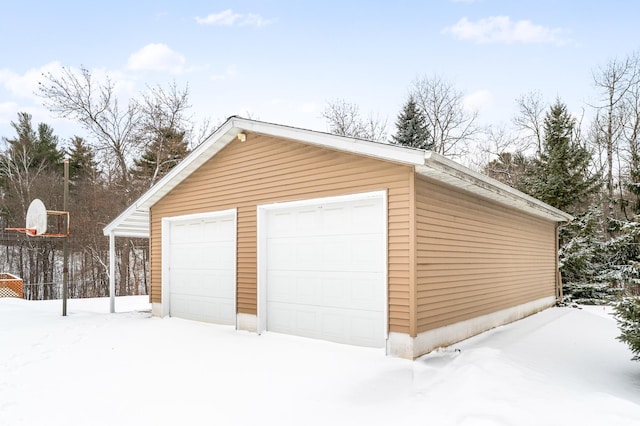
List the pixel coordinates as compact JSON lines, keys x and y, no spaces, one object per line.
{"x":202,"y":268}
{"x":325,"y":273}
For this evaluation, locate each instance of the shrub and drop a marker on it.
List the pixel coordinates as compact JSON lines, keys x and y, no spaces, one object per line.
{"x":628,"y":318}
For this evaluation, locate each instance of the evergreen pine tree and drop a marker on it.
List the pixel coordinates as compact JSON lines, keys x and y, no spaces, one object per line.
{"x":560,"y":177}
{"x":628,"y":318}
{"x":34,"y":148}
{"x":633,"y":182}
{"x":412,"y":128}
{"x":82,"y":163}
{"x":163,"y":153}
{"x":46,"y":148}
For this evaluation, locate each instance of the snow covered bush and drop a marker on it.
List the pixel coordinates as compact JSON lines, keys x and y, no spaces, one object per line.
{"x":628,"y":317}
{"x":583,"y":261}
{"x":598,"y":268}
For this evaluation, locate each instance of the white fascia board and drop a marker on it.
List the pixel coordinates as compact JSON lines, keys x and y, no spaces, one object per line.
{"x":441,"y":168}
{"x":203,"y":152}
{"x":230,"y":129}
{"x":207,"y":149}
{"x":341,"y":143}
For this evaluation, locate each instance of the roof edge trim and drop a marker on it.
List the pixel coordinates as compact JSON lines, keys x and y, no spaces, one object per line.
{"x":456,"y":171}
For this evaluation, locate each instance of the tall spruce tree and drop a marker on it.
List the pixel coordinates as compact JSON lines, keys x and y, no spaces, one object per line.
{"x":560,"y":176}
{"x":412,"y":128}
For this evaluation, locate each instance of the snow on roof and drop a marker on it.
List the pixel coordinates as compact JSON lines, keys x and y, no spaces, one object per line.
{"x":134,"y":221}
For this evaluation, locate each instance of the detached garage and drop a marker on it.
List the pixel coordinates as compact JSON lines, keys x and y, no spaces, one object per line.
{"x":266,"y":227}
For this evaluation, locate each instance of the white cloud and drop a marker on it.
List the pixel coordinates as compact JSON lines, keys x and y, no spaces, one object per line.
{"x":253,"y":20}
{"x":479,"y":100}
{"x":229,"y":18}
{"x":8,"y":111}
{"x":26,"y":85}
{"x":157,"y":57}
{"x":124,"y":86}
{"x":501,"y":29}
{"x":224,"y":18}
{"x":230,"y":72}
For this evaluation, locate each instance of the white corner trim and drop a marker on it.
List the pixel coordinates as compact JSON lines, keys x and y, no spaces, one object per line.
{"x":156,"y":309}
{"x":404,"y":346}
{"x":400,"y":345}
{"x":247,"y":322}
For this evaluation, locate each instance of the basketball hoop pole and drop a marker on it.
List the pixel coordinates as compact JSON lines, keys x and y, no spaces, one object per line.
{"x":65,"y":242}
{"x":36,"y":226}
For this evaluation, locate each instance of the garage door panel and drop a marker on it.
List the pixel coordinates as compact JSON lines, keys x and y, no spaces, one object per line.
{"x":354,"y":253}
{"x":325,"y":271}
{"x":365,"y":216}
{"x":185,"y":281}
{"x":222,"y":229}
{"x":185,"y":232}
{"x":218,"y":255}
{"x":361,"y":332}
{"x":334,"y":324}
{"x":365,"y":255}
{"x":305,"y":222}
{"x":337,"y":220}
{"x":365,"y":296}
{"x":291,"y":287}
{"x":207,"y":309}
{"x":332,"y":289}
{"x":202,"y":269}
{"x":182,"y":257}
{"x":294,"y":253}
{"x":204,"y":282}
{"x":336,"y":251}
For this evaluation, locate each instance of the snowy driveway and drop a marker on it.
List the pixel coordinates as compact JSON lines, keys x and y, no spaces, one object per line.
{"x":562,"y":366}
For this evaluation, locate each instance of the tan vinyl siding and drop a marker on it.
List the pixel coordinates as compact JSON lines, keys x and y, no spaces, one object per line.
{"x":265,"y":170}
{"x":475,"y":257}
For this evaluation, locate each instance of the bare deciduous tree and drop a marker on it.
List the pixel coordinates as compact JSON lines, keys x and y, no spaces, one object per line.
{"x":509,"y":168}
{"x":496,"y":140}
{"x":530,"y":118}
{"x":162,"y":109}
{"x":78,"y":96}
{"x":120,"y":132}
{"x":344,"y":119}
{"x":615,"y":82}
{"x":451,"y":125}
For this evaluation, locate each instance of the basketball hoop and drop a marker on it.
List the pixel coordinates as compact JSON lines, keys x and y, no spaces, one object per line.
{"x":37,"y":223}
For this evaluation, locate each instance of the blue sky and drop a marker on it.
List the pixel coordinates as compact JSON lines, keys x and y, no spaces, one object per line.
{"x":282,"y":61}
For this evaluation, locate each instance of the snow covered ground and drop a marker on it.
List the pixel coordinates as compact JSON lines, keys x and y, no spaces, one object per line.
{"x":560,"y":367}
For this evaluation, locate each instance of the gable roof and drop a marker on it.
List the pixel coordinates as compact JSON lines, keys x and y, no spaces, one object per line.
{"x":134,"y":221}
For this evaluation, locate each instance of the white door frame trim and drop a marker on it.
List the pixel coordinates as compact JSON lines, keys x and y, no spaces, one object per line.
{"x":166,"y":254}
{"x":262,"y":232}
